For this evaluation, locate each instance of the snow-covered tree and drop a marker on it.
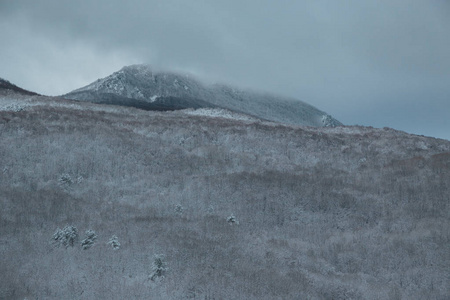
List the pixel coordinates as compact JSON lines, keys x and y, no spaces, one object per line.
{"x":328,"y":121}
{"x":91,"y":236}
{"x":65,"y":179}
{"x":232,"y":220}
{"x":80,"y":179}
{"x":210,"y":210}
{"x":114,"y":242}
{"x":179,"y":209}
{"x":159,"y":266}
{"x":66,"y":236}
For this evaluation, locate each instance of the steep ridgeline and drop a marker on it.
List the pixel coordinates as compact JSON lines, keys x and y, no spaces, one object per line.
{"x":7,"y":87}
{"x":140,"y":86}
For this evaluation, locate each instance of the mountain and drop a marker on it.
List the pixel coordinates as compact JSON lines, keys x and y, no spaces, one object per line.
{"x":140,"y":86}
{"x":113,"y":202}
{"x":6,"y":86}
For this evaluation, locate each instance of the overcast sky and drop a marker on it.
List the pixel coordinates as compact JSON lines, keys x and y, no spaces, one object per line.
{"x":373,"y":62}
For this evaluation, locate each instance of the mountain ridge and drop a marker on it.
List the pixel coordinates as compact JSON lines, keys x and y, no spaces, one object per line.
{"x":140,"y":85}
{"x":6,"y":85}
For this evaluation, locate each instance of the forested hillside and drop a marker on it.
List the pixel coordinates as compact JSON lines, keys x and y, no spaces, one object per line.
{"x":215,"y":206}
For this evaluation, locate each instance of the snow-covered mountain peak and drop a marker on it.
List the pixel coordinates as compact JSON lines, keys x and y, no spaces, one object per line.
{"x":146,"y":87}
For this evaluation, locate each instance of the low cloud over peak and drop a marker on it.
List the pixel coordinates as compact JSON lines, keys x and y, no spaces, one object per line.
{"x":344,"y":57}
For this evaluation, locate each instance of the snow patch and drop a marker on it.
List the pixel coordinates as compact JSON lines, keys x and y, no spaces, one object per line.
{"x":219,"y":113}
{"x":153,"y":98}
{"x":14,"y":107}
{"x":421,"y":145}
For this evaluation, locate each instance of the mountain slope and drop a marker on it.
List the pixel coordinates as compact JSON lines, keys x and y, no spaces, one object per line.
{"x":237,"y":208}
{"x":6,"y":86}
{"x":140,"y":86}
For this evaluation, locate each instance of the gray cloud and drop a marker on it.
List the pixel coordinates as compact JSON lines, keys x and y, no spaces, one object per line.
{"x":374,"y":62}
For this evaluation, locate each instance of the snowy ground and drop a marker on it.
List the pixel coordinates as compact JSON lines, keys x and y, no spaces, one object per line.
{"x":219,"y":113}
